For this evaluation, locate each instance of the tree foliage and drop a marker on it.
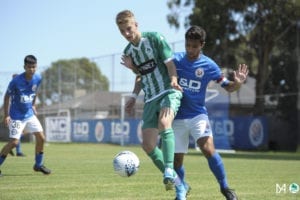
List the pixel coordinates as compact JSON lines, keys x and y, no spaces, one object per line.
{"x":261,"y":33}
{"x":65,"y":77}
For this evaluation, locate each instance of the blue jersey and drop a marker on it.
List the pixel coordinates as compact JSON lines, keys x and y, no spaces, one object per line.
{"x":22,"y":94}
{"x":194,"y":77}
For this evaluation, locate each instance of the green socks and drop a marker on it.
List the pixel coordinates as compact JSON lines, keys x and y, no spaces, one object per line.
{"x":158,"y":159}
{"x":168,"y":144}
{"x":165,"y":157}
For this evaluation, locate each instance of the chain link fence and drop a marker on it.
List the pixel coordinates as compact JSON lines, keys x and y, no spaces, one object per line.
{"x":120,"y":78}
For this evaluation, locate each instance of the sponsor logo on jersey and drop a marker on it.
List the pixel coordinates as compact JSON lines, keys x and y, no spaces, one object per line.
{"x":27,"y":98}
{"x":147,"y":67}
{"x":189,"y":84}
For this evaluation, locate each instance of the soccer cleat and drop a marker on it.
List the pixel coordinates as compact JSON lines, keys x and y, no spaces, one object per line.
{"x":187,"y":188}
{"x":0,"y":173}
{"x":42,"y":169}
{"x":181,"y":192}
{"x":21,"y":154}
{"x":169,"y":179}
{"x":229,"y":194}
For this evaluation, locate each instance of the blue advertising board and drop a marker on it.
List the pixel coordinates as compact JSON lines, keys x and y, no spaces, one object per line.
{"x":250,"y":133}
{"x":243,"y":133}
{"x":106,"y":131}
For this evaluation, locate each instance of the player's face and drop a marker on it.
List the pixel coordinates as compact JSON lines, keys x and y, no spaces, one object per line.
{"x":193,"y":48}
{"x":30,"y":69}
{"x":130,"y":31}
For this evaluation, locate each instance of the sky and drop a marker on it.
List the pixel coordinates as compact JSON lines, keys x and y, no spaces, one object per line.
{"x":65,"y":29}
{"x":54,"y":29}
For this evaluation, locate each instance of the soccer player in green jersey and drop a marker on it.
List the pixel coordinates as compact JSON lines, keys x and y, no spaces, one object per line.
{"x":151,"y":58}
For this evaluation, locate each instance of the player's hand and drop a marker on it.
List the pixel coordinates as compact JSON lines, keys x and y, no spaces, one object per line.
{"x":241,"y":74}
{"x":130,"y":105}
{"x":6,"y":120}
{"x":127,"y":62}
{"x":175,"y":85}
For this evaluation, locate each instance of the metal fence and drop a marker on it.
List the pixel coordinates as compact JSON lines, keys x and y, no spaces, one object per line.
{"x":120,"y":78}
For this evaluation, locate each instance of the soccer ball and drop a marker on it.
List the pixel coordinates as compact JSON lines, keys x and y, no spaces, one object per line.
{"x":126,"y":163}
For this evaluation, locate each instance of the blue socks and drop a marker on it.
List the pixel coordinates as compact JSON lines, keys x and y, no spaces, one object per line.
{"x":39,"y":159}
{"x":180,"y":172}
{"x":18,"y":147}
{"x":2,"y":158}
{"x":216,"y":166}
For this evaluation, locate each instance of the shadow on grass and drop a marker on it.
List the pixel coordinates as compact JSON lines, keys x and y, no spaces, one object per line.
{"x":16,"y":175}
{"x":256,"y":155}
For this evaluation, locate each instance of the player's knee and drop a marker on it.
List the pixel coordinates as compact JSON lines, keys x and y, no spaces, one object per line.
{"x":207,"y":150}
{"x":13,"y":143}
{"x":148,"y":148}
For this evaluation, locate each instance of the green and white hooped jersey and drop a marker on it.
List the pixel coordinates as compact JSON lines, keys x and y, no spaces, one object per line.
{"x":149,"y":57}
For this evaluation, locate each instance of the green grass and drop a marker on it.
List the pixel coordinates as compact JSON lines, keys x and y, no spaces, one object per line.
{"x":85,"y":172}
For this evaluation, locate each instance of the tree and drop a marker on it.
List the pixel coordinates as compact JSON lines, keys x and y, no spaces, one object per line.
{"x":258,"y":28}
{"x":265,"y":35}
{"x":64,"y":78}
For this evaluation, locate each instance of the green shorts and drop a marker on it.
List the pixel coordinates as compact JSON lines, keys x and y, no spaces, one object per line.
{"x":171,"y":99}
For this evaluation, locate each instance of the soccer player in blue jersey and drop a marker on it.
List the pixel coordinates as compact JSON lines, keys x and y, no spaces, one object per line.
{"x":195,"y":70}
{"x":150,"y":57}
{"x":19,"y":113}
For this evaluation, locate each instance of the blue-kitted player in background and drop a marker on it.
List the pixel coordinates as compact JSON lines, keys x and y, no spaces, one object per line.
{"x":19,"y":112}
{"x":195,"y":71}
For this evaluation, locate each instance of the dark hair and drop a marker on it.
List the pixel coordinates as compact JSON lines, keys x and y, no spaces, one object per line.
{"x":30,"y":59}
{"x":195,"y":33}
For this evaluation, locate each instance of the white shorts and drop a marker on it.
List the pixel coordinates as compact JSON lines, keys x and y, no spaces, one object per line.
{"x":197,"y":127}
{"x":30,"y":125}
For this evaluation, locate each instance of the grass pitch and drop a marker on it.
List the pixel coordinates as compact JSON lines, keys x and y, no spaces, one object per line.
{"x":84,"y":172}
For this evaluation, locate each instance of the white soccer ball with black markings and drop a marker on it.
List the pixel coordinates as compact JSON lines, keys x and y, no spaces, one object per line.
{"x":126,"y":163}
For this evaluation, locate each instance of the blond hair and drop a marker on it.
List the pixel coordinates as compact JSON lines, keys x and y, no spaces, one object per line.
{"x":124,"y":17}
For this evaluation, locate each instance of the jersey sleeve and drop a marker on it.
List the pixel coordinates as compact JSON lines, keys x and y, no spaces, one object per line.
{"x":215,"y":71}
{"x":218,"y":76}
{"x":162,"y":46}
